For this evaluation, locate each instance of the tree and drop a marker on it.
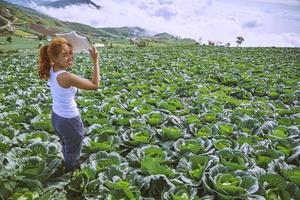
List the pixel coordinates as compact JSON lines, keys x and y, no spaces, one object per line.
{"x":42,"y":37}
{"x":142,"y":43}
{"x":227,"y":44}
{"x":9,"y":39}
{"x":240,"y":40}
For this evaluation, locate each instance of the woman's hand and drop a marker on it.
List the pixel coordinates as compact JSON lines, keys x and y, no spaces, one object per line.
{"x":94,"y":54}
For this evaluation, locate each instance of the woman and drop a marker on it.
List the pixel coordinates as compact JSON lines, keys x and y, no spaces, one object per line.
{"x":54,"y":59}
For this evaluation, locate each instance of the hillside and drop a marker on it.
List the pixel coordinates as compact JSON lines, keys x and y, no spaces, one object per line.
{"x":29,"y":22}
{"x":34,"y":23}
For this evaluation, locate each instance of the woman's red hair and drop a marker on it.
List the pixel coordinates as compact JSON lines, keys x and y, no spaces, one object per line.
{"x":47,"y":52}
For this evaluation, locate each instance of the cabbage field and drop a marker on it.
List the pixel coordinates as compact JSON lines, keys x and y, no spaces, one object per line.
{"x":176,"y":123}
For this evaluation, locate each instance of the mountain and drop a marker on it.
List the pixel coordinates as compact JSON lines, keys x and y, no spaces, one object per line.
{"x":64,"y":3}
{"x":164,"y":36}
{"x":54,"y":3}
{"x":127,"y":31}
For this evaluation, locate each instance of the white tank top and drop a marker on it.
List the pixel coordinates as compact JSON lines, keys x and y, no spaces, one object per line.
{"x":63,"y":98}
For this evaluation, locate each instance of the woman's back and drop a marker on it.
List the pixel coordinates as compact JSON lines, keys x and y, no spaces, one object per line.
{"x":63,"y":98}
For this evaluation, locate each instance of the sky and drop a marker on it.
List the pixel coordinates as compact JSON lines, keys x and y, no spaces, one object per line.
{"x":259,"y":22}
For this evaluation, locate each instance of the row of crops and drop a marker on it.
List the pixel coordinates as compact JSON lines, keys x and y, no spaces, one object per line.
{"x":178,"y":123}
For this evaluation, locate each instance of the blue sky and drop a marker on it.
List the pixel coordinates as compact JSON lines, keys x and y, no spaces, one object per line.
{"x":260,"y":22}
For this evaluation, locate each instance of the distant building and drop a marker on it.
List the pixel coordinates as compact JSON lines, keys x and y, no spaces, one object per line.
{"x":99,"y":45}
{"x":214,"y":43}
{"x":133,"y":40}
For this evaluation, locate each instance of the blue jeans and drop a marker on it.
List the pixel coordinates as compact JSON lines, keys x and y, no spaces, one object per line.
{"x":70,"y":132}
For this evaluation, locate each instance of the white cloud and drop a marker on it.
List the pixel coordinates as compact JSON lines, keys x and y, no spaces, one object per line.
{"x":292,"y":38}
{"x":261,"y":22}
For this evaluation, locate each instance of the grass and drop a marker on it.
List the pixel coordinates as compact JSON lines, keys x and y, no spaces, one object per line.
{"x":18,"y":43}
{"x":22,"y":33}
